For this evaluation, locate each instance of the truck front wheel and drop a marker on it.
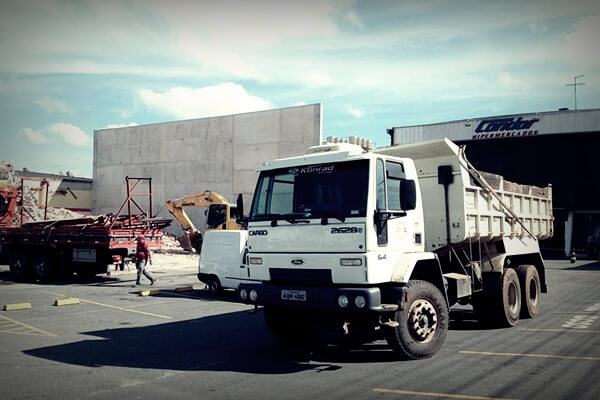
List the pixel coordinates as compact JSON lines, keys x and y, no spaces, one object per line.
{"x":422,"y":323}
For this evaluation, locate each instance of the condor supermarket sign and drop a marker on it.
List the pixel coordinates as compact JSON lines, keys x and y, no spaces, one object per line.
{"x":491,"y":128}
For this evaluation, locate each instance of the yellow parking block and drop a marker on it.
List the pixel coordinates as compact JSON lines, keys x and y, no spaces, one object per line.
{"x":150,"y":292}
{"x":184,"y":289}
{"x":66,"y":302}
{"x":17,"y":306}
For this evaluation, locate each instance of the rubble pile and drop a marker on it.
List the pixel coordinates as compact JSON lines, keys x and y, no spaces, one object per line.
{"x":33,"y":197}
{"x":7,"y":174}
{"x":169,"y":244}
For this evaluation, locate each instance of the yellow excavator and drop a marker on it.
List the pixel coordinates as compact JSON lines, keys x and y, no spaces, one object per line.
{"x":220,"y":215}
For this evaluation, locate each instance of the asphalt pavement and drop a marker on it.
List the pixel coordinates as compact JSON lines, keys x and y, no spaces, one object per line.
{"x":181,"y":342}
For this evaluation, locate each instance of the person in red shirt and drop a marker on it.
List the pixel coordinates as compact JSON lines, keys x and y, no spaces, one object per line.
{"x":142,"y":257}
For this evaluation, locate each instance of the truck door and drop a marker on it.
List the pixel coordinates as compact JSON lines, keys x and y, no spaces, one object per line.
{"x":396,"y":196}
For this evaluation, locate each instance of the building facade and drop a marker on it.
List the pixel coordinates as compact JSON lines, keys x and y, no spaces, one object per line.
{"x":560,"y":148}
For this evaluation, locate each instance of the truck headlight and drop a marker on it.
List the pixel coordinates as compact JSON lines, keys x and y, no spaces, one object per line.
{"x":255,"y":260}
{"x":359,"y":301}
{"x":351,"y":262}
{"x":343,"y":301}
{"x":244,"y":294}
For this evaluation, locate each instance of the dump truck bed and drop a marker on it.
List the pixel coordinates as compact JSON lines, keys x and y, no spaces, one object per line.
{"x":481,"y":206}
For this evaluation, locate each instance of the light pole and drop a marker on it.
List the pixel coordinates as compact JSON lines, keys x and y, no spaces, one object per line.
{"x":575,"y":84}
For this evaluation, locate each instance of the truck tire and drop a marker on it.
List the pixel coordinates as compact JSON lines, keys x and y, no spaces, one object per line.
{"x":289,"y":326}
{"x":529,"y":279}
{"x":214,"y":286}
{"x":500,"y":309}
{"x":422,"y":323}
{"x":19,"y":267}
{"x":42,"y":266}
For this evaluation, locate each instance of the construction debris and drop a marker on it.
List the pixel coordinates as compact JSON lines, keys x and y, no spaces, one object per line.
{"x":34,"y":193}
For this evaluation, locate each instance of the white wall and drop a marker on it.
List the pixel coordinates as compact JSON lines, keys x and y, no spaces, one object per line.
{"x":183,"y":157}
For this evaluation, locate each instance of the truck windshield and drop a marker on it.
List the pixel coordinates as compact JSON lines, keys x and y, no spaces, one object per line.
{"x":333,"y":190}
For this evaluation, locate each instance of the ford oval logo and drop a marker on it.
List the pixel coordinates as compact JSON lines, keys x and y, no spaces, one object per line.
{"x":297,"y":261}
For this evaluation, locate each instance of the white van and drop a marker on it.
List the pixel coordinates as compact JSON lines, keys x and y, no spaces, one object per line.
{"x":222,"y":259}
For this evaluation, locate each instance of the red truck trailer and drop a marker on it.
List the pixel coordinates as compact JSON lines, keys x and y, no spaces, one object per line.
{"x":41,"y":250}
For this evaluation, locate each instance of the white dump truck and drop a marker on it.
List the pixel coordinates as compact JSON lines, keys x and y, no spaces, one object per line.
{"x":384,"y":242}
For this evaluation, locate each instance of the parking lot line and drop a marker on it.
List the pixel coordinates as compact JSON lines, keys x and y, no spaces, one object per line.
{"x":29,"y":330}
{"x":489,"y":353}
{"x":116,"y":307}
{"x":125,"y":309}
{"x":442,"y":395}
{"x":559,"y":330}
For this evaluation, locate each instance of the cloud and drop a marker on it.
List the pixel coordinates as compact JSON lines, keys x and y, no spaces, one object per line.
{"x":52,"y":105}
{"x":70,"y":134}
{"x":58,"y":133}
{"x":355,"y":112}
{"x":35,"y":137}
{"x":112,"y":126}
{"x":223,"y":99}
{"x":583,"y":40}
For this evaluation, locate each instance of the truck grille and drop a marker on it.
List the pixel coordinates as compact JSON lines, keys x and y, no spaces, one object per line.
{"x":294,"y":275}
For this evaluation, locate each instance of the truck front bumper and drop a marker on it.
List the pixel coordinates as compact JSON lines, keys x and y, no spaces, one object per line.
{"x":339,"y":299}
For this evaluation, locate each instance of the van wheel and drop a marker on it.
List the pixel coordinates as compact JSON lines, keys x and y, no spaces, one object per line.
{"x":422,"y":324}
{"x":214,"y":286}
{"x":530,"y":290}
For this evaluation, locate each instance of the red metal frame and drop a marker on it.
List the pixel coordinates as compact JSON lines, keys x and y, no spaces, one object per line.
{"x":130,"y":199}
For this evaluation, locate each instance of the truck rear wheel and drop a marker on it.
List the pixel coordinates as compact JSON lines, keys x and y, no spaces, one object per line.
{"x":511,"y":299}
{"x":422,"y":324}
{"x":500,"y":310}
{"x":20,"y":267}
{"x":530,"y":290}
{"x":43,"y":266}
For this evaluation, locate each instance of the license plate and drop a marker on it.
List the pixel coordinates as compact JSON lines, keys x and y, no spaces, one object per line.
{"x":295,"y":295}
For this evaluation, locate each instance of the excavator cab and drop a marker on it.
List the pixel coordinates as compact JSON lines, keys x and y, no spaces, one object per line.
{"x":216,"y":216}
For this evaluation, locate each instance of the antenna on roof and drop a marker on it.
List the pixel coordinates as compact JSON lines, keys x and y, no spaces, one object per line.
{"x":575,"y":84}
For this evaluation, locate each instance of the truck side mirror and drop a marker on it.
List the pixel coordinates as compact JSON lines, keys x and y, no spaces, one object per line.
{"x":408,"y":194}
{"x":240,"y":205}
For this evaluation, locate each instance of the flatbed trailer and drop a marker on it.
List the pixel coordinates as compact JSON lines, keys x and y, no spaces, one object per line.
{"x":41,"y":250}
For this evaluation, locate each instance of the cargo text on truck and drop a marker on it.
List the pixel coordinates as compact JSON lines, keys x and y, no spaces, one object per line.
{"x":380,"y":244}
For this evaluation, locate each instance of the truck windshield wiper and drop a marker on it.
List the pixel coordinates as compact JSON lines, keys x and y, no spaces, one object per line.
{"x":325,"y":215}
{"x":292,"y":218}
{"x":325,"y":221}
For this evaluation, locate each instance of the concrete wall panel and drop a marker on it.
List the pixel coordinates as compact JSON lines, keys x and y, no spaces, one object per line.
{"x":184,"y":157}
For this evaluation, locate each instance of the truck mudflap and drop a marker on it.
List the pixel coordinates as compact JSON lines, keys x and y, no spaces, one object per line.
{"x":340,"y":299}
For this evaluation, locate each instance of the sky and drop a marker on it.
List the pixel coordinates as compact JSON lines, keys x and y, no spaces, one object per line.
{"x":68,"y":68}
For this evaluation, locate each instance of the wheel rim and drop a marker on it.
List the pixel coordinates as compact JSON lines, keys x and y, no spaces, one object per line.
{"x":214,"y":286}
{"x":42,"y":268}
{"x":533,"y":293}
{"x":513,"y":299}
{"x":422,"y":321}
